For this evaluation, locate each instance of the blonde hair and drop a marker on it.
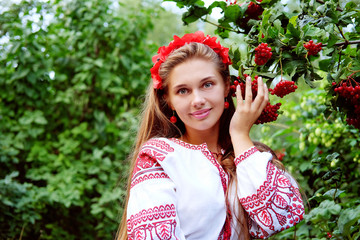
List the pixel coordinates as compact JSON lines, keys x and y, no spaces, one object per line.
{"x":275,"y":160}
{"x":155,"y":122}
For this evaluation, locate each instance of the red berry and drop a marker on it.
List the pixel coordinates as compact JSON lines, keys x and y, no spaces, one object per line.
{"x":283,"y":88}
{"x":262,"y":54}
{"x":269,"y":114}
{"x":254,"y":10}
{"x":348,"y":91}
{"x":312,"y":48}
{"x":226,"y":105}
{"x":280,"y":155}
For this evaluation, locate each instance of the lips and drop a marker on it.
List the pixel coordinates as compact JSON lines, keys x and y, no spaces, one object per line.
{"x":201,"y":113}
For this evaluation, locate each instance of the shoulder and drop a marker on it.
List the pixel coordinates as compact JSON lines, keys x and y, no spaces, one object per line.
{"x":163,"y":145}
{"x":153,"y":151}
{"x":148,"y":160}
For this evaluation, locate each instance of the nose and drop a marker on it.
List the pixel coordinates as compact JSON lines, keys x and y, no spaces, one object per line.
{"x":198,"y":99}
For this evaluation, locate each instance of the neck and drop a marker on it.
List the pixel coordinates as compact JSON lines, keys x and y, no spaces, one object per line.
{"x":200,"y":137}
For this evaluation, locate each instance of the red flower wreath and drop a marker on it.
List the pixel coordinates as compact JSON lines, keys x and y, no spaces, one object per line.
{"x":198,"y":37}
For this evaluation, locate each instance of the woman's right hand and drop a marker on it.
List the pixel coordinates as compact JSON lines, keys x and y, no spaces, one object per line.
{"x":246,"y":113}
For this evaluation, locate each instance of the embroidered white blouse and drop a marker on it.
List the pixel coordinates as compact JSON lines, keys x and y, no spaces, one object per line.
{"x":178,"y":192}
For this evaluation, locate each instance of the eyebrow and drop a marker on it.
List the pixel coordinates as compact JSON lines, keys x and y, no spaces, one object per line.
{"x":201,"y":82}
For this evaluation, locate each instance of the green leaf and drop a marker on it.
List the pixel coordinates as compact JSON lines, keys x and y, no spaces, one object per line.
{"x":332,"y":156}
{"x":333,"y":38}
{"x":325,"y":64}
{"x":334,"y":193}
{"x":220,"y":4}
{"x":20,"y":73}
{"x":331,"y":206}
{"x":350,"y":5}
{"x":233,"y":13}
{"x":305,"y":166}
{"x":39,"y":117}
{"x":291,"y":28}
{"x":294,"y":65}
{"x":194,"y":13}
{"x":347,"y":219}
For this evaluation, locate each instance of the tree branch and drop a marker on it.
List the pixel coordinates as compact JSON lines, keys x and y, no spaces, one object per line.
{"x":341,"y":32}
{"x":325,"y":44}
{"x":345,"y":43}
{"x":219,"y":26}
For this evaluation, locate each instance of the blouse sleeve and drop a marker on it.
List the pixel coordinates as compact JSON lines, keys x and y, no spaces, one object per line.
{"x":269,"y":196}
{"x":151,"y":210}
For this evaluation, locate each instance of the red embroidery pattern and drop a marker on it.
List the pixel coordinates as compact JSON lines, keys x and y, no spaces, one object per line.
{"x":150,"y":176}
{"x":146,"y":224}
{"x":245,"y":155}
{"x":158,"y":143}
{"x":147,"y":164}
{"x":145,"y":160}
{"x":276,"y":206}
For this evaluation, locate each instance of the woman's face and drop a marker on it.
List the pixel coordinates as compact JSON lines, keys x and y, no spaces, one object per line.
{"x":197,"y":93}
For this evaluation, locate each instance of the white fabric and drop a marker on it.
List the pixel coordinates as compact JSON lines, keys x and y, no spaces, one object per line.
{"x":178,"y":193}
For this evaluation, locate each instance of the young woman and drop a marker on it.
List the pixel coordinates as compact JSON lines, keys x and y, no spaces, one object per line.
{"x":196,"y":173}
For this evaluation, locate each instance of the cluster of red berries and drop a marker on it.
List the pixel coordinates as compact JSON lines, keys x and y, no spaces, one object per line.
{"x":353,"y":119}
{"x":270,"y":112}
{"x":313,"y":48}
{"x":280,"y":154}
{"x":254,"y":10}
{"x":284,"y":87}
{"x":262,"y":54}
{"x":348,"y":91}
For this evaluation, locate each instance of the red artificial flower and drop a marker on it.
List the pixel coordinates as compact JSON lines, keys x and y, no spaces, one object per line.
{"x":178,"y":42}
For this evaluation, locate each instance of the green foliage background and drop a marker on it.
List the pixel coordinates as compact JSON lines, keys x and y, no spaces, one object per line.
{"x":72,"y":79}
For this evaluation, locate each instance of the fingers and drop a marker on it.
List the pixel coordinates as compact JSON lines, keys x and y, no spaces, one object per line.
{"x":262,"y":96}
{"x":266,"y":97}
{"x":248,"y":91}
{"x":239,"y":96}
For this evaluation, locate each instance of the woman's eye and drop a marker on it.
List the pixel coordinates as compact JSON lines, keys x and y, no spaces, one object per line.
{"x":182,"y":91}
{"x":208,"y":84}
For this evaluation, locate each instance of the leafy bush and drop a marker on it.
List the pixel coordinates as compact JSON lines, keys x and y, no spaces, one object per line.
{"x":71,"y":82}
{"x":322,"y":152}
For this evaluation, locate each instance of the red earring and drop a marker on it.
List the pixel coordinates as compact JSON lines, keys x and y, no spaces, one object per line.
{"x":226,"y":104}
{"x":173,"y":119}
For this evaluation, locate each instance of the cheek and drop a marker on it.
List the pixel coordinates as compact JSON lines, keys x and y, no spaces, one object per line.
{"x":175,"y":103}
